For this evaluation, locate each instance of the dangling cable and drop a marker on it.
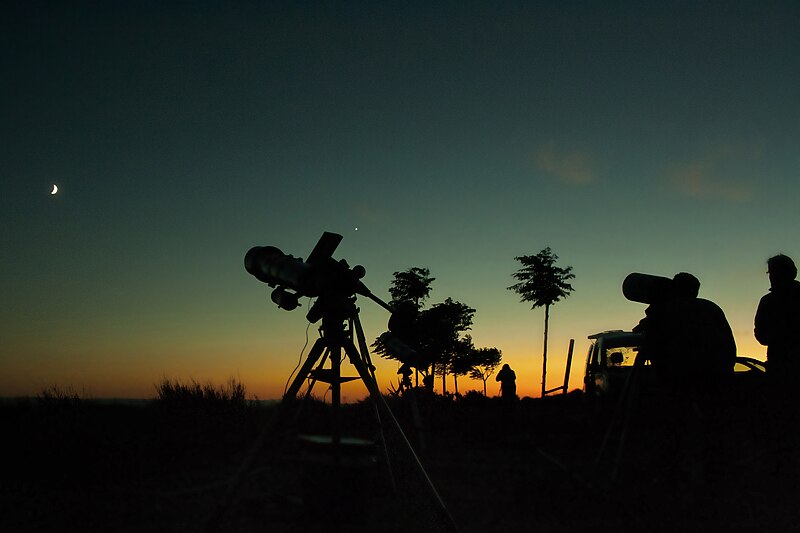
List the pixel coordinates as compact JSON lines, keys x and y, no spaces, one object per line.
{"x":300,"y":359}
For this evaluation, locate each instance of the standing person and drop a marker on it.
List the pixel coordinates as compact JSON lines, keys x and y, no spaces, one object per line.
{"x":405,"y":377}
{"x":508,"y":383}
{"x":777,"y":320}
{"x":689,"y":340}
{"x":691,"y":346}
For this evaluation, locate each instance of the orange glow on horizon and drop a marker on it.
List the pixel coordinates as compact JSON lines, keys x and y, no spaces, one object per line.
{"x":108,"y":371}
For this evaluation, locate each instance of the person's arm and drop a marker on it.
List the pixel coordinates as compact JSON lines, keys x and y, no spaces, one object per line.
{"x":764,"y":322}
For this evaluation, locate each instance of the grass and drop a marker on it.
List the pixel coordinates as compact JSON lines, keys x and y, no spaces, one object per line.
{"x":175,"y":393}
{"x":57,"y":396}
{"x":74,"y":464}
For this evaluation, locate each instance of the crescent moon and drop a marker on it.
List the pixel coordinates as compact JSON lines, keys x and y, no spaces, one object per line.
{"x":55,"y":189}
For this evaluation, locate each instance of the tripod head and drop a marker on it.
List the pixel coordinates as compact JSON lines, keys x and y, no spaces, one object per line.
{"x":333,"y":283}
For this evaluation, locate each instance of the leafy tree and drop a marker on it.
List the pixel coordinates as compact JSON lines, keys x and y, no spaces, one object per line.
{"x":484,"y":362}
{"x":542,"y":283}
{"x":412,"y":285}
{"x":461,"y":363}
{"x":432,"y":333}
{"x":442,"y":326}
{"x":408,"y":289}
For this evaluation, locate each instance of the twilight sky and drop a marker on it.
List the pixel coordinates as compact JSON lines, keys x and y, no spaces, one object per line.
{"x":628,"y":136}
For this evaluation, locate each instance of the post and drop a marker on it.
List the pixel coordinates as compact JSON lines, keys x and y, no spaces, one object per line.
{"x":565,"y":387}
{"x":569,"y":365}
{"x":336,"y":400}
{"x":544,"y":353}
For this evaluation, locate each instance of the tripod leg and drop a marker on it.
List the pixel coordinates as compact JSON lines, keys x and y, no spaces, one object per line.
{"x":622,"y":416}
{"x":336,"y":400}
{"x":357,"y":361}
{"x":633,"y":392}
{"x":417,"y":418}
{"x":375,"y":394}
{"x":307,"y":395}
{"x":313,"y":355}
{"x":235,"y":481}
{"x":362,"y":344}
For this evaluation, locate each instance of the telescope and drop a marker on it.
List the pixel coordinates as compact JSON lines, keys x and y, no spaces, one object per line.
{"x":646,"y":288}
{"x":319,"y":276}
{"x":335,"y":285}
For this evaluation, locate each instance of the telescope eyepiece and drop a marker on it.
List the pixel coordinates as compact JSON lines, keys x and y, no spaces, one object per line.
{"x":285,"y":300}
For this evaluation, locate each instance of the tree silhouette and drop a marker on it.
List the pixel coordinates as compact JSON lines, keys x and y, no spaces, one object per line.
{"x":461,"y":363}
{"x":484,"y":362}
{"x":542,"y":283}
{"x":409,"y":289}
{"x":412,"y":285}
{"x":434,"y":333}
{"x":442,"y":326}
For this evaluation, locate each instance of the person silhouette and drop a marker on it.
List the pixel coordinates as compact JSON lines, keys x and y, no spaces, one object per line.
{"x":508,"y":383}
{"x":692,"y":349}
{"x":777,"y":320}
{"x":688,"y":339}
{"x":427,"y":382}
{"x":405,"y":377}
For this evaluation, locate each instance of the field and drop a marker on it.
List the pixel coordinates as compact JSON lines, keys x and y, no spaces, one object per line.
{"x":558,"y":464}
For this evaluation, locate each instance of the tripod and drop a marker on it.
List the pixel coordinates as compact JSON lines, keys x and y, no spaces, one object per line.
{"x":340,"y":331}
{"x":621,"y":419}
{"x":335,"y":339}
{"x":340,"y":323}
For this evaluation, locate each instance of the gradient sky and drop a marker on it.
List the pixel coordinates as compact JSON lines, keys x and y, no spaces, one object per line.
{"x":628,"y":136}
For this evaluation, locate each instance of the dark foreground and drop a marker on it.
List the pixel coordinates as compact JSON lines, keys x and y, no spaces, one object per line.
{"x":554,"y":465}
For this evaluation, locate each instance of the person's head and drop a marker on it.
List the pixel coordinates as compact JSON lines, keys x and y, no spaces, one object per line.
{"x":781,"y":270}
{"x":685,"y":285}
{"x":506,"y":367}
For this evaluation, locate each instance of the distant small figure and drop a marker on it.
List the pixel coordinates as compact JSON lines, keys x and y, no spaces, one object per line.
{"x":427,"y":382}
{"x":508,"y":383}
{"x":777,"y":320}
{"x":405,"y":376}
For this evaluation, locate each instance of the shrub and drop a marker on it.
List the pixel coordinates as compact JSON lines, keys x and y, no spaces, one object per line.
{"x":196,"y":394}
{"x":55,"y":396}
{"x":474,"y":397}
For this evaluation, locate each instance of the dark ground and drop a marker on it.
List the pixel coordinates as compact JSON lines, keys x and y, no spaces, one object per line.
{"x":531,"y":466}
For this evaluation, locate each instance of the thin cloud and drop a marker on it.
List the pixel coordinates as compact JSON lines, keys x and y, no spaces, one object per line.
{"x":571,"y":167}
{"x":706,"y":177}
{"x":370,"y":214}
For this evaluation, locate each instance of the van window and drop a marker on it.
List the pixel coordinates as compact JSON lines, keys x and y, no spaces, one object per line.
{"x":622,"y":356}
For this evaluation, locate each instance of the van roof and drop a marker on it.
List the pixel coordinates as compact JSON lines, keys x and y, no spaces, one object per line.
{"x":611,"y":333}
